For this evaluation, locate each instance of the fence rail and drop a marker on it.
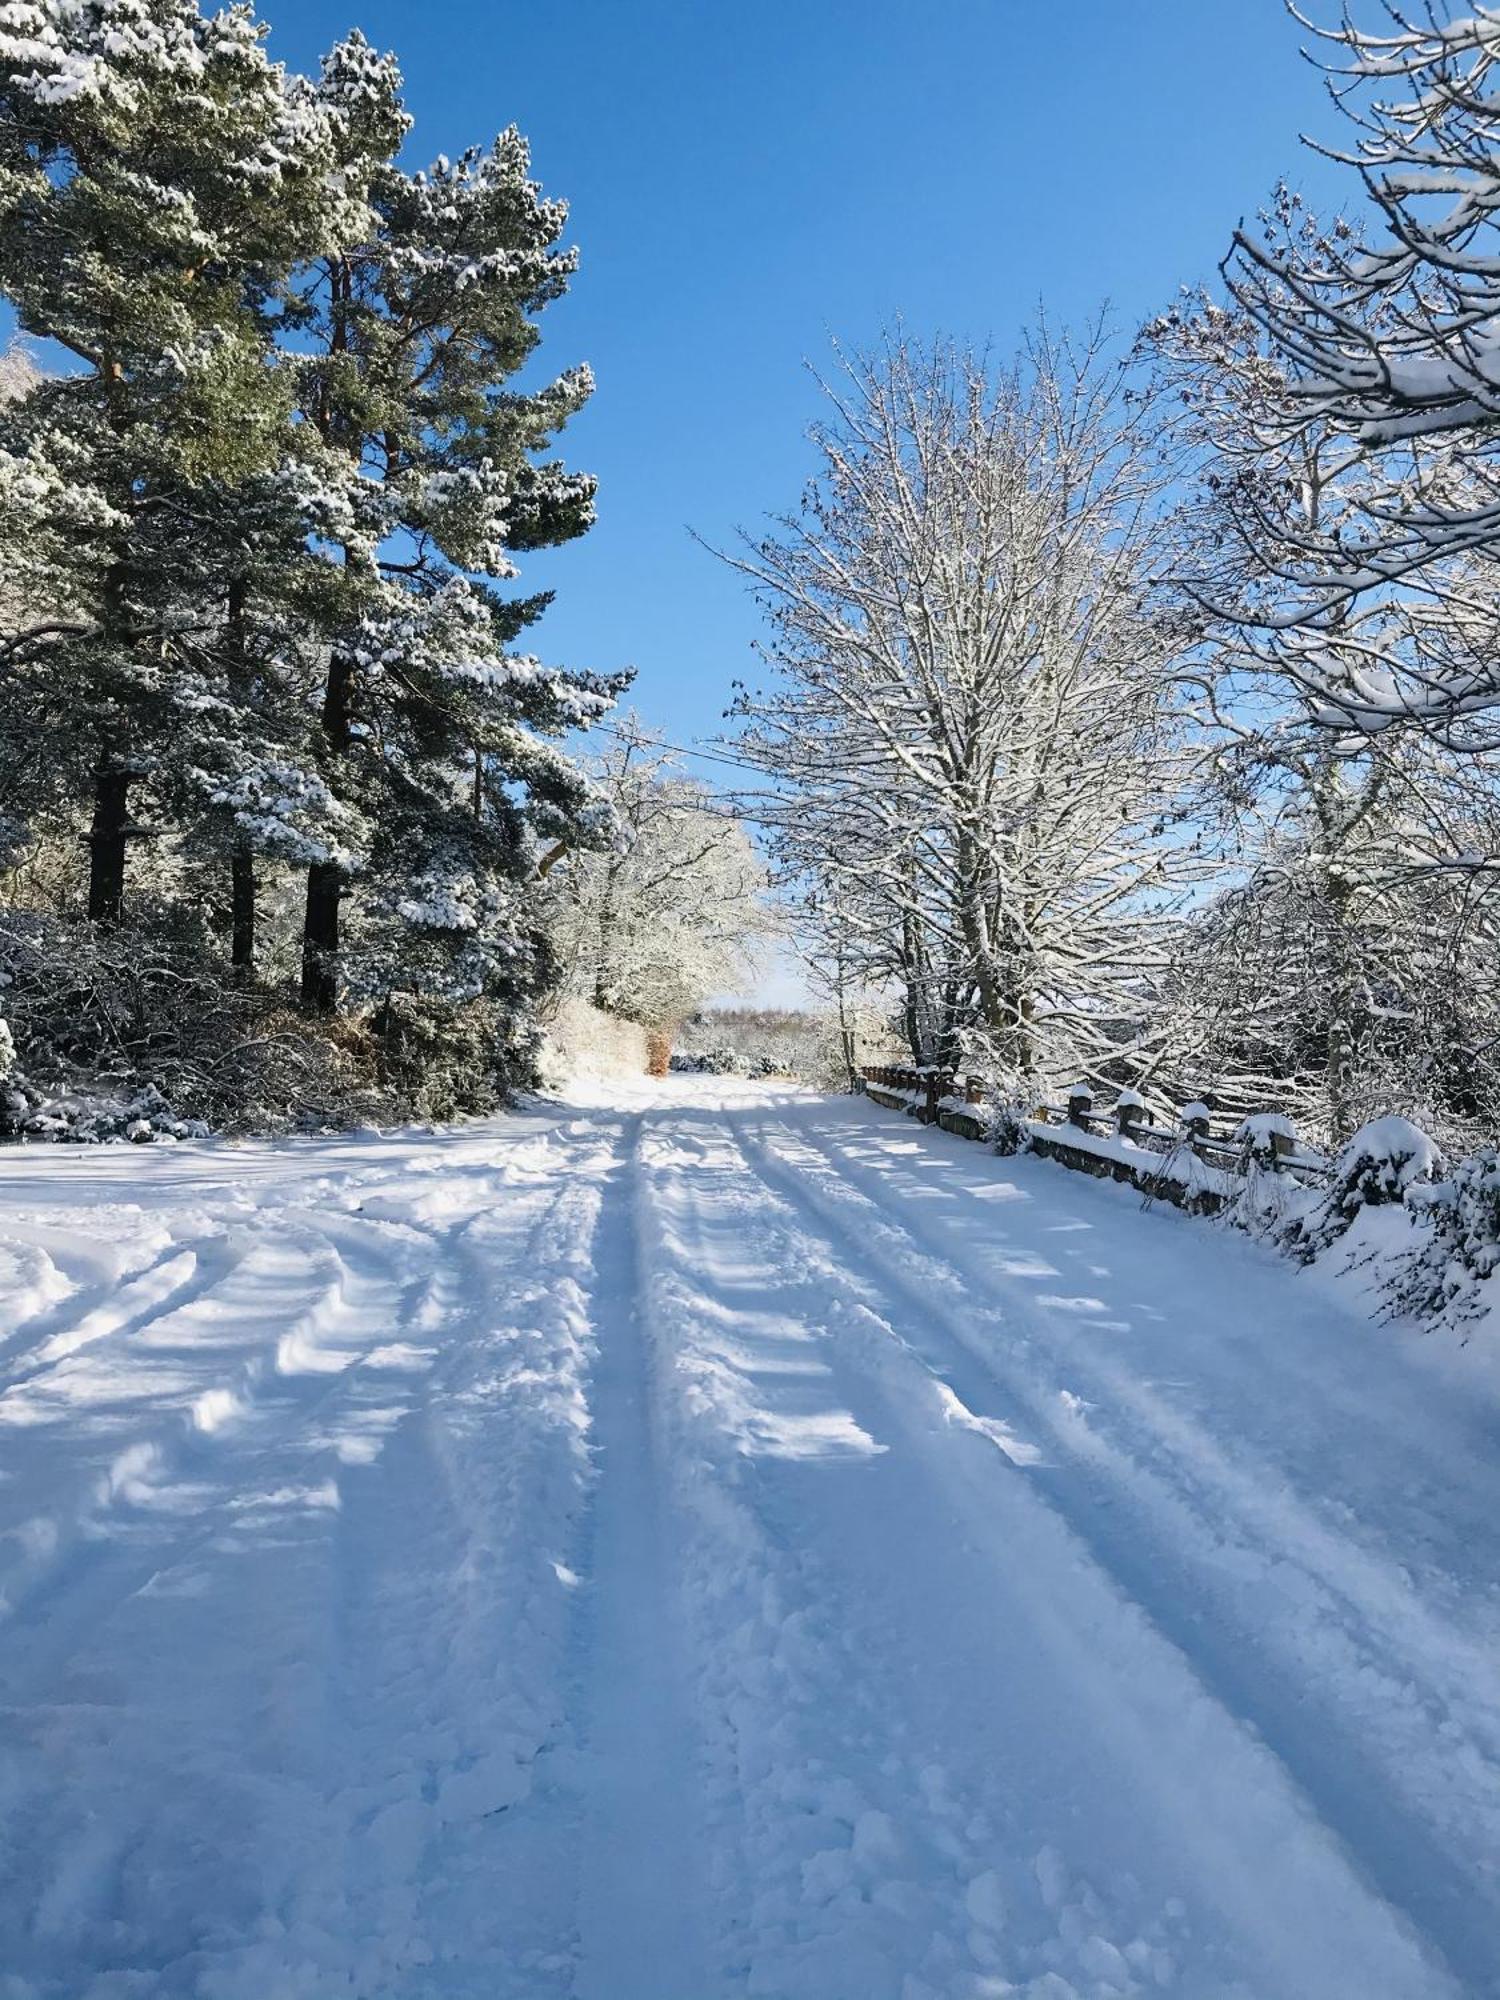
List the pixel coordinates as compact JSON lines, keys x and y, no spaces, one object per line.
{"x":1183,"y":1161}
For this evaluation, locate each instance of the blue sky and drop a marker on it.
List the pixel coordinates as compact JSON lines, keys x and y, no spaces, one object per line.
{"x":746,"y":182}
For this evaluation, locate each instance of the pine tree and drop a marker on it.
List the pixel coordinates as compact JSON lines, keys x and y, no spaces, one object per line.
{"x":158,"y":178}
{"x":422,"y":459}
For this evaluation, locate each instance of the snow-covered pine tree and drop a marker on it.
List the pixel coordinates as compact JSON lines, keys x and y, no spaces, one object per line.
{"x":245,"y":785}
{"x":425,"y":471}
{"x":158,"y":179}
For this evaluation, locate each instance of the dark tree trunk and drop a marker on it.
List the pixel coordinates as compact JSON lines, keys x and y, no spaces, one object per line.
{"x":107,"y":839}
{"x":325,"y":880}
{"x":320,"y":939}
{"x":242,"y":910}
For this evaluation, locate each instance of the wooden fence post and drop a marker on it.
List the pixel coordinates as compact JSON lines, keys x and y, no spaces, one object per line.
{"x":1195,"y":1119}
{"x":1080,"y":1105}
{"x":1131,"y":1114}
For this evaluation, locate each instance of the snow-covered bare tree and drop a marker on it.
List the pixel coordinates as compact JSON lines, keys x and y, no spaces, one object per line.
{"x":675,"y":910}
{"x":978,"y":749}
{"x":1296,"y":977}
{"x":1333,"y":980}
{"x":1387,"y":341}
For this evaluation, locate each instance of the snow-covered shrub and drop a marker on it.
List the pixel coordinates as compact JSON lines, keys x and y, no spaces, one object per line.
{"x":87,"y":1118}
{"x":448,"y":1059}
{"x":100,"y":1017}
{"x":7,"y":1049}
{"x":1007,"y":1132}
{"x":712,"y":1062}
{"x":1377,"y":1167}
{"x":584,"y":1041}
{"x":1460,"y":1250}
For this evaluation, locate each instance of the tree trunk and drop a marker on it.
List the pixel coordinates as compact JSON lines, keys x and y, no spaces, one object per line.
{"x":1343,"y":1000}
{"x":107,"y":839}
{"x":325,"y":879}
{"x":320,"y":939}
{"x":242,"y":906}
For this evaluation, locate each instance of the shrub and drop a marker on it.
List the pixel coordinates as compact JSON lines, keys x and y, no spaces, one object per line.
{"x":1461,"y":1249}
{"x":1007,"y":1132}
{"x":1375,"y":1170}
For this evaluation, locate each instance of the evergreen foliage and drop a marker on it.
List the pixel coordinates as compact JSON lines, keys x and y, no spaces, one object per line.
{"x":260,"y":524}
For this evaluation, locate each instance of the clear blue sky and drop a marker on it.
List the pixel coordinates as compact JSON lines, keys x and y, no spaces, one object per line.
{"x":746,"y":181}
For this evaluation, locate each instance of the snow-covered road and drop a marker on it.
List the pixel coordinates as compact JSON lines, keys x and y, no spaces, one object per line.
{"x":716,"y":1541}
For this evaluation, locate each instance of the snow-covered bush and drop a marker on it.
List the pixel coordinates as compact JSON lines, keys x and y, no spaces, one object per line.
{"x":1007,"y":1131}
{"x":97,"y":1018}
{"x":87,"y":1118}
{"x":584,"y":1041}
{"x":1460,"y":1250}
{"x":1380,"y":1163}
{"x":711,"y":1062}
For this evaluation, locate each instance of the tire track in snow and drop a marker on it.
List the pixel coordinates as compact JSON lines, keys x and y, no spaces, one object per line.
{"x":1393,"y":1746}
{"x":862,"y":1562}
{"x":385,"y":1671}
{"x":639,"y":1916}
{"x":150,"y":1495}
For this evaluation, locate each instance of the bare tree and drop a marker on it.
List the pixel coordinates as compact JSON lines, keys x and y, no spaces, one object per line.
{"x":1387,"y":344}
{"x":674,"y":910}
{"x":979,"y":760}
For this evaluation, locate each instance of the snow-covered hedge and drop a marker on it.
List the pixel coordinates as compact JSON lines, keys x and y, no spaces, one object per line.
{"x":1380,"y":1163}
{"x":583,"y":1041}
{"x":1459,"y":1251}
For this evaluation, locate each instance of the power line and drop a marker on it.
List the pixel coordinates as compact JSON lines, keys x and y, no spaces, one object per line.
{"x":679,"y":749}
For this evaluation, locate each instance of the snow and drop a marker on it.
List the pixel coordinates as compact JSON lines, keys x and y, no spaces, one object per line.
{"x":1264,"y":1125}
{"x":1395,"y":1142}
{"x":707,"y":1540}
{"x":1177,"y":1163}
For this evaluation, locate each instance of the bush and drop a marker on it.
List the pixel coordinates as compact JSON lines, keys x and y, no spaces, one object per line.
{"x":1462,"y":1247}
{"x":1375,"y":1170}
{"x":713,"y":1062}
{"x":142,"y":1026}
{"x":86,"y":1118}
{"x":1007,"y":1132}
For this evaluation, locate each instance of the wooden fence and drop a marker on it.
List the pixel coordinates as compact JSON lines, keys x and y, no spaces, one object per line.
{"x":1181,"y":1160}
